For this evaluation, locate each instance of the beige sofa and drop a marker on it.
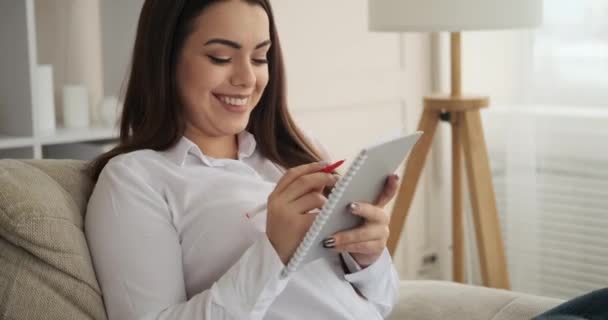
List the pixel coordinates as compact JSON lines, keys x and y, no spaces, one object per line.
{"x":46,"y":270}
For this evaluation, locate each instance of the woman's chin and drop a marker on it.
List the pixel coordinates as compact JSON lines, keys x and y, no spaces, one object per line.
{"x":235,"y":126}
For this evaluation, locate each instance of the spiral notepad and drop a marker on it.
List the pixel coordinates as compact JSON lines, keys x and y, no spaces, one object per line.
{"x":362,"y":182}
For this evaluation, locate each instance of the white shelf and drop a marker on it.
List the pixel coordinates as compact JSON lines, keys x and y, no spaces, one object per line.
{"x":11,"y":142}
{"x":29,"y":35}
{"x":71,"y":135}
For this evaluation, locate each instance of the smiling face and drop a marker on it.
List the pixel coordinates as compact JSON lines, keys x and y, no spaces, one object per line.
{"x":222,"y":69}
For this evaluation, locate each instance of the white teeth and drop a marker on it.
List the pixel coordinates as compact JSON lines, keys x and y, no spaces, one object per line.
{"x":233,"y":101}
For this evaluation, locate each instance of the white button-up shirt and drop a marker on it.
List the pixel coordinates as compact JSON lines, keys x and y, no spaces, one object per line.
{"x":169,"y":240}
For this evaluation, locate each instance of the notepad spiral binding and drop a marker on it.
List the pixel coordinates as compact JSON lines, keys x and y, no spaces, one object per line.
{"x":321,"y":219}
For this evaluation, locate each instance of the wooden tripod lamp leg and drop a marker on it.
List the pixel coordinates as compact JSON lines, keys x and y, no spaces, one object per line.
{"x":457,"y":216}
{"x":485,"y":215}
{"x":411,"y":174}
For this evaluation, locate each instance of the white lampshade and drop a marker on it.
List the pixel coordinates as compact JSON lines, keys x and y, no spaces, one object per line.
{"x":453,"y":15}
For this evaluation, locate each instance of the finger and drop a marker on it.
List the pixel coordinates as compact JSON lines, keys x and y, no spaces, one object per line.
{"x":366,"y":247}
{"x":307,"y":183}
{"x":389,"y":191}
{"x":308,"y":202}
{"x":296,"y":172}
{"x":369,"y":212}
{"x":364,"y":233}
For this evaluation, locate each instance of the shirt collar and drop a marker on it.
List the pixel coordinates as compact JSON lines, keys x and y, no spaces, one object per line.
{"x":185,"y":147}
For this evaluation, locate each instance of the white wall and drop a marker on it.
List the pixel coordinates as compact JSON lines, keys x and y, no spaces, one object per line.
{"x":118,"y":25}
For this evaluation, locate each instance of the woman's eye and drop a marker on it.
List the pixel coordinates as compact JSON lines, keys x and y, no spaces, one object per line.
{"x":260,"y":61}
{"x":217,"y":60}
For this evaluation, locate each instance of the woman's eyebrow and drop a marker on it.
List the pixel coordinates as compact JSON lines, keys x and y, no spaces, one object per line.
{"x":235,"y":45}
{"x":263,"y":44}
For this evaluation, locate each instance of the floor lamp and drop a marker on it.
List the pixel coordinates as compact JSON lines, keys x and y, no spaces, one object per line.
{"x":462,"y":112}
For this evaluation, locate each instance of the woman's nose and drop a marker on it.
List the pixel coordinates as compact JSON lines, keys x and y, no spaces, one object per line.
{"x":243,"y":75}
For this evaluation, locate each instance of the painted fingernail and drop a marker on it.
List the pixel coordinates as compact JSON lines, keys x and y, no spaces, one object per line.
{"x":354,"y":207}
{"x":329,"y":242}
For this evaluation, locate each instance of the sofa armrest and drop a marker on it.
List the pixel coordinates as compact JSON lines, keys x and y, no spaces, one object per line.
{"x":439,"y":300}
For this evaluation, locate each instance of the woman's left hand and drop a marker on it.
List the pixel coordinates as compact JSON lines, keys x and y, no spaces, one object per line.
{"x":367,"y":242}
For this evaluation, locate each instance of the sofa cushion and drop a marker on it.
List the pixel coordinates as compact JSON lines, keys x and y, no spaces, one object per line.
{"x":438,"y":300}
{"x":45,"y":265}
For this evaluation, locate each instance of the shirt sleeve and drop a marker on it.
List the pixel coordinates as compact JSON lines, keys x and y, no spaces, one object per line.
{"x":136,"y":253}
{"x":378,"y":282}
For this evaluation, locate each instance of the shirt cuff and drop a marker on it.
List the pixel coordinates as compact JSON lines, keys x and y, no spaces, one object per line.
{"x":351,"y":264}
{"x":253,"y":283}
{"x":374,"y":280}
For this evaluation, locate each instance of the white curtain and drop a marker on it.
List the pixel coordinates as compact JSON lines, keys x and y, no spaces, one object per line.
{"x":548,"y":141}
{"x":547,"y":135}
{"x":571,"y":54}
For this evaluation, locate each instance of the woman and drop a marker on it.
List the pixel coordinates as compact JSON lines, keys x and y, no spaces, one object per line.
{"x":205,"y":137}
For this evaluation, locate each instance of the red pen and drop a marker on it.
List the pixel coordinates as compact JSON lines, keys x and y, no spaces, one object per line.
{"x":330,"y":168}
{"x":327,"y":169}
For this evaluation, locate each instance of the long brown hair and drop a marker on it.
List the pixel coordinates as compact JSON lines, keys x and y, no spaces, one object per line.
{"x":153,"y":115}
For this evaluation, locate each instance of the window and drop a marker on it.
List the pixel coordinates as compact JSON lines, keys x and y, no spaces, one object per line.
{"x":571,"y":54}
{"x":550,"y":157}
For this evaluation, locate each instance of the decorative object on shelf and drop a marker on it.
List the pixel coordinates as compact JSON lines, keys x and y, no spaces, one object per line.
{"x":109,"y":109}
{"x":45,"y":100}
{"x":75,"y":106}
{"x":66,"y":35}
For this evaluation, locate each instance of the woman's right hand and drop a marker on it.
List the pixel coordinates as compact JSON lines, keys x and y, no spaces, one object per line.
{"x":297,"y":192}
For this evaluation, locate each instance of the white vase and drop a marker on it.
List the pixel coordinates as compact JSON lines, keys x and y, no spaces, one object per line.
{"x":75,"y":106}
{"x":109,"y":110}
{"x":45,"y":100}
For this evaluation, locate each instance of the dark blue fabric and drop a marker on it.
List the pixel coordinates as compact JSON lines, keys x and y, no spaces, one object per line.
{"x":591,"y":306}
